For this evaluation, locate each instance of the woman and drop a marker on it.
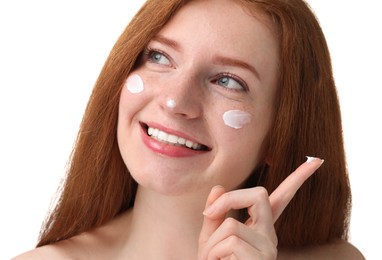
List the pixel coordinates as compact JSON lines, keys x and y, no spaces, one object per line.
{"x":218,"y":97}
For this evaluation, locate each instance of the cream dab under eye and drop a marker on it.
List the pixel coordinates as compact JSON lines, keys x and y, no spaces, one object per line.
{"x":236,"y":118}
{"x":134,"y":84}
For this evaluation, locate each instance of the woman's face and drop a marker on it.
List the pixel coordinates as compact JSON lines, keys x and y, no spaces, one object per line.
{"x":207,"y":81}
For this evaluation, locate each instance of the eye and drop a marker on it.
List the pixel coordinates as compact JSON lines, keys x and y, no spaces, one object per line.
{"x":158,"y":57}
{"x":231,"y":82}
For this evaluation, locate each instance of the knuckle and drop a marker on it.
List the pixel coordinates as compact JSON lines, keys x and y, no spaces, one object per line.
{"x":231,"y":225}
{"x":222,"y":202}
{"x":233,"y":242}
{"x":262,"y":192}
{"x":225,"y":199}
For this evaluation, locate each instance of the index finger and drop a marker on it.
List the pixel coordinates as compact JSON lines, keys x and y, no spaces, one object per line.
{"x":210,"y":225}
{"x":284,"y":193}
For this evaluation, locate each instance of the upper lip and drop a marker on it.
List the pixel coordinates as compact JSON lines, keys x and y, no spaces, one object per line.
{"x":174,"y":132}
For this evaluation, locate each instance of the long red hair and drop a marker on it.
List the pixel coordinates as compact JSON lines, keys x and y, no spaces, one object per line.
{"x":307,"y":121}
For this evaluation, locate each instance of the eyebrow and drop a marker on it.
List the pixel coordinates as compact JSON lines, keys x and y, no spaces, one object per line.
{"x":166,"y":41}
{"x":220,"y":60}
{"x":236,"y":63}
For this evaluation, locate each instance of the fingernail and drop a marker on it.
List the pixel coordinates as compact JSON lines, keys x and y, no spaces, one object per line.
{"x":208,"y":211}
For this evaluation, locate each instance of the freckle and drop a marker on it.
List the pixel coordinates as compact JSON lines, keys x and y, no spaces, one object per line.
{"x":236,"y":118}
{"x":134,"y":84}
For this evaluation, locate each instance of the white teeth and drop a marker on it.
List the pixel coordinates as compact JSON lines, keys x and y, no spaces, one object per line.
{"x":162,"y":136}
{"x":189,"y":144}
{"x":181,"y":141}
{"x":173,"y":139}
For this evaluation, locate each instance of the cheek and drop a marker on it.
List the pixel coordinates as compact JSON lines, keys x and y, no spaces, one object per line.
{"x":236,"y":118}
{"x":133,"y":94}
{"x":244,"y":131}
{"x":134,"y":84}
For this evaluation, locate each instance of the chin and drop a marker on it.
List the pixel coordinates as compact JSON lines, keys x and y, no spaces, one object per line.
{"x":166,"y":183}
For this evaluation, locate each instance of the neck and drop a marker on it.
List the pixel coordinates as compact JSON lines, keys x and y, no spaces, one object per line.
{"x":168,"y":226}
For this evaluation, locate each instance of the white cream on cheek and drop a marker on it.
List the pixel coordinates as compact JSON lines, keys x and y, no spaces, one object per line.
{"x":171,"y":103}
{"x":236,"y":118}
{"x":134,"y":84}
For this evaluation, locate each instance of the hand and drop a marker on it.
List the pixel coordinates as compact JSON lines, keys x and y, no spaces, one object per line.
{"x":227,"y":238}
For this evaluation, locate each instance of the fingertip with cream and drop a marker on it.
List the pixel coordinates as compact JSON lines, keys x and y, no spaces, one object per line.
{"x":311,"y":159}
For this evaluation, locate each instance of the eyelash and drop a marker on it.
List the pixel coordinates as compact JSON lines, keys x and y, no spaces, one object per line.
{"x":148,"y":52}
{"x":234,"y":77}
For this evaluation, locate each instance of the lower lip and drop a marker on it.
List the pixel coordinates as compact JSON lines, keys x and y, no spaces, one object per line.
{"x":167,"y":149}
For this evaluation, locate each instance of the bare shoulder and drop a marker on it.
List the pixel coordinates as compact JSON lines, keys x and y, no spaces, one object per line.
{"x":340,"y":249}
{"x":87,"y":245}
{"x":81,"y":246}
{"x":99,"y":243}
{"x":44,"y":252}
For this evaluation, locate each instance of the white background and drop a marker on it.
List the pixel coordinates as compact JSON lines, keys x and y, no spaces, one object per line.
{"x":51,"y":53}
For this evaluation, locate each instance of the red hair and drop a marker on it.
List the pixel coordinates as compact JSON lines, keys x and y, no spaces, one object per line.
{"x":307,"y":121}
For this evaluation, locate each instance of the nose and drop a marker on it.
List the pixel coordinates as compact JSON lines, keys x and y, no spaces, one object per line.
{"x":182,"y":97}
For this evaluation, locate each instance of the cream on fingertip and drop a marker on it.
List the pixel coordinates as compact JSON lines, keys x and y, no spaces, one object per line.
{"x":310,"y":159}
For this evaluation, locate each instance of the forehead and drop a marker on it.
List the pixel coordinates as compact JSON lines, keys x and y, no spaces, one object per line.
{"x":226,"y":27}
{"x":232,"y":17}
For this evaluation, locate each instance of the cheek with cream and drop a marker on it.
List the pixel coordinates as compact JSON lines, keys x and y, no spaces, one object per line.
{"x":171,"y":103}
{"x":134,"y":84}
{"x":236,"y":118}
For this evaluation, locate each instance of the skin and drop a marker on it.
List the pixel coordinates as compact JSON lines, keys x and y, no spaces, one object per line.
{"x":171,"y":218}
{"x":188,"y":71}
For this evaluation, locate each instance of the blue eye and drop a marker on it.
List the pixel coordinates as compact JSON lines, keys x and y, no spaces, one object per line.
{"x":230,"y":83}
{"x":159,"y":58}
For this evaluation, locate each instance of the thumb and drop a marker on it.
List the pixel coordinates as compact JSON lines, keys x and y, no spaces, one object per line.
{"x":210,"y":225}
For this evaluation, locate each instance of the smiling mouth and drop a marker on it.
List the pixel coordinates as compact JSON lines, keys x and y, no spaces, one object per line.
{"x":171,"y":139}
